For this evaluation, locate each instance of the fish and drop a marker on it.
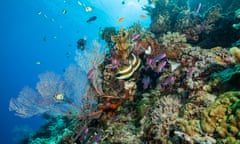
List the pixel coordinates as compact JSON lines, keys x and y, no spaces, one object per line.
{"x":150,"y":61}
{"x":198,"y":8}
{"x":64,"y":11}
{"x":40,"y":12}
{"x":38,"y":62}
{"x":143,"y":16}
{"x":160,"y":67}
{"x":86,"y":131}
{"x":174,"y":65}
{"x":148,"y":51}
{"x":98,"y":138}
{"x":59,"y":96}
{"x":168,"y":81}
{"x":135,"y":37}
{"x":115,"y":63}
{"x":129,"y":71}
{"x":146,"y":82}
{"x":121,"y":19}
{"x":93,"y":18}
{"x":160,"y":57}
{"x":67,"y":54}
{"x":88,"y":9}
{"x":79,"y":3}
{"x":44,"y":38}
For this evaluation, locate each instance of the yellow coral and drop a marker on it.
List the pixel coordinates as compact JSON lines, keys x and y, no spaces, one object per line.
{"x":222,"y":116}
{"x":235,"y":51}
{"x":121,"y":44}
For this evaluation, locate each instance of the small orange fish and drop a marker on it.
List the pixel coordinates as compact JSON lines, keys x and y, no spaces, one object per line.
{"x":143,"y":16}
{"x":121,"y":19}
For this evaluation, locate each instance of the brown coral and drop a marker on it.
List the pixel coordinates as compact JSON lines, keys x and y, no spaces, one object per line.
{"x":121,"y":44}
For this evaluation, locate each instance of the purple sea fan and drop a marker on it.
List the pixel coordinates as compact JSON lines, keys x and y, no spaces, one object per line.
{"x":28,"y":103}
{"x":50,"y":84}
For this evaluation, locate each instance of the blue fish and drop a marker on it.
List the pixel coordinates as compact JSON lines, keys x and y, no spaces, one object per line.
{"x":93,"y":18}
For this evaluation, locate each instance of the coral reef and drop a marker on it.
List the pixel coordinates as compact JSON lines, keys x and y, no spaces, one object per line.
{"x":174,"y":82}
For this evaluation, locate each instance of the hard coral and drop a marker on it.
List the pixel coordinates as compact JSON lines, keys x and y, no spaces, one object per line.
{"x":235,"y":51}
{"x":173,"y":42}
{"x":222,"y":117}
{"x":121,"y":44}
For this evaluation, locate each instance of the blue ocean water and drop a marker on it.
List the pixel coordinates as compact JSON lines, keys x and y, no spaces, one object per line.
{"x":35,"y":37}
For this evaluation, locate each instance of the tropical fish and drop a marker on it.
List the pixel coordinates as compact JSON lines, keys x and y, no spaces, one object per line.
{"x":150,"y":61}
{"x":88,"y":9}
{"x":93,"y":18}
{"x":38,"y":62}
{"x":148,"y":51}
{"x":79,"y":3}
{"x":98,"y":138}
{"x":160,"y":57}
{"x":121,"y":19}
{"x":143,"y":16}
{"x":81,"y":43}
{"x":86,"y":131}
{"x":146,"y":82}
{"x":40,"y":12}
{"x":59,"y":96}
{"x":64,"y":11}
{"x":115,"y":63}
{"x":67,"y":54}
{"x":129,"y":71}
{"x":160,"y":67}
{"x":168,"y":81}
{"x":136,"y":37}
{"x":198,"y":8}
{"x":174,"y":65}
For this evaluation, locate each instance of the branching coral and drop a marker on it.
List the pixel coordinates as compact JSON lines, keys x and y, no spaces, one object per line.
{"x":121,"y":44}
